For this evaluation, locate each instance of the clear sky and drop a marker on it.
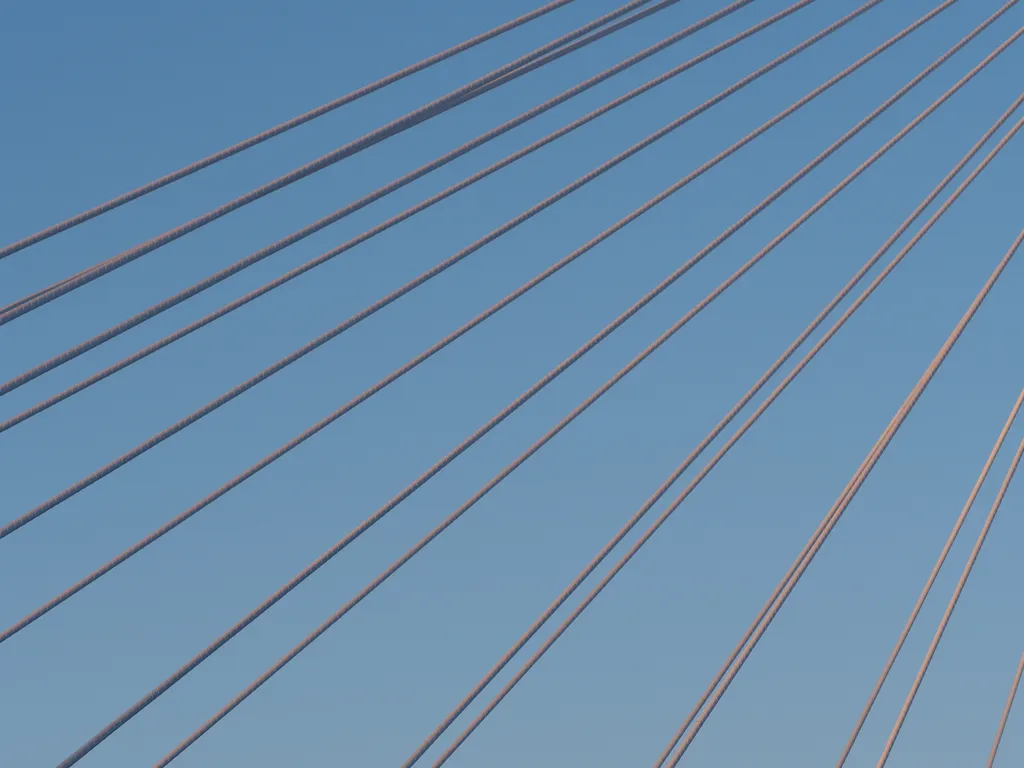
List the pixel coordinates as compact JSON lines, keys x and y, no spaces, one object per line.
{"x":100,"y":97}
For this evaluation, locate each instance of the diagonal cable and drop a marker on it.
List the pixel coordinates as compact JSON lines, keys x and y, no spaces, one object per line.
{"x":199,"y":658}
{"x":277,"y":130}
{"x":1006,"y":713}
{"x":397,"y":184}
{"x":519,"y":461}
{"x":67,"y":493}
{"x":392,"y":128}
{"x":676,"y":503}
{"x":971,"y":560}
{"x":965,"y":511}
{"x":847,"y":497}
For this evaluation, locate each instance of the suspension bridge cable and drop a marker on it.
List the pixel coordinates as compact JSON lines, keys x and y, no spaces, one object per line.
{"x":67,"y":493}
{"x":657,"y":524}
{"x":277,"y":130}
{"x":392,"y":128}
{"x":408,"y":178}
{"x":1006,"y":713}
{"x":954,"y":533}
{"x":196,"y":660}
{"x":408,"y":213}
{"x":971,"y":560}
{"x":849,"y":493}
{"x":533,"y":449}
{"x":519,"y":71}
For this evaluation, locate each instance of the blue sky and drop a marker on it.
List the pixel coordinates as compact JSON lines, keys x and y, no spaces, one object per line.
{"x":99,"y":98}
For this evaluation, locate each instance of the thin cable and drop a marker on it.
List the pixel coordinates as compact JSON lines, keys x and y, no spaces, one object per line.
{"x":466,"y":506}
{"x":392,"y":128}
{"x":469,"y":95}
{"x":408,"y":178}
{"x":267,"y":372}
{"x":892,"y":265}
{"x":901,"y":718}
{"x":188,"y":170}
{"x":837,"y":511}
{"x":954,"y":533}
{"x":464,"y":704}
{"x":199,"y":658}
{"x":1006,"y":713}
{"x":408,"y":213}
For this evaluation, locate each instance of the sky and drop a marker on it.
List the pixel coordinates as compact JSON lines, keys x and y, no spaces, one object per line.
{"x":101,"y":97}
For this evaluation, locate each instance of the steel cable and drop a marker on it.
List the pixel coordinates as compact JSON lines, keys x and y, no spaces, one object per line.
{"x":393,"y":221}
{"x":971,"y":560}
{"x":519,"y":71}
{"x":397,"y":184}
{"x":916,"y":610}
{"x":548,"y":437}
{"x":199,"y":658}
{"x":67,"y":493}
{"x":392,"y":128}
{"x":277,"y":130}
{"x":1006,"y":713}
{"x":902,"y":254}
{"x":837,"y":510}
{"x":667,"y":485}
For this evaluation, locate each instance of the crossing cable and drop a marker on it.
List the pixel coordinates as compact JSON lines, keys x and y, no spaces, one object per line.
{"x":259,"y":138}
{"x":848,"y":494}
{"x":670,"y":481}
{"x":971,"y":560}
{"x":519,"y":71}
{"x":387,"y":189}
{"x":199,"y":658}
{"x":444,"y":525}
{"x":67,"y":493}
{"x":392,"y":128}
{"x":1006,"y":713}
{"x":931,"y":580}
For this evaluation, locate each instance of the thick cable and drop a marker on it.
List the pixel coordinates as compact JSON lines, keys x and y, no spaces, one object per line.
{"x":397,"y":184}
{"x":837,"y":511}
{"x":946,"y":205}
{"x":675,"y":504}
{"x":971,"y":560}
{"x":519,"y":461}
{"x":188,"y":170}
{"x":196,"y":660}
{"x":417,"y":116}
{"x":494,"y":234}
{"x":954,"y":533}
{"x":1006,"y":713}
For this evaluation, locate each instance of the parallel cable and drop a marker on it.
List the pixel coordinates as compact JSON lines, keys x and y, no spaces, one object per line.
{"x":393,"y":186}
{"x":675,"y":504}
{"x":238,"y":627}
{"x":837,"y":510}
{"x":277,"y":130}
{"x":67,"y":493}
{"x":946,"y":205}
{"x":1006,"y":713}
{"x":469,"y":95}
{"x":519,"y":461}
{"x":954,"y":533}
{"x":519,"y":71}
{"x":971,"y":560}
{"x":392,"y":128}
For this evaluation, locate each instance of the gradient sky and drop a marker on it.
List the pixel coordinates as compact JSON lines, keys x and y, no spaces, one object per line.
{"x":100,"y":97}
